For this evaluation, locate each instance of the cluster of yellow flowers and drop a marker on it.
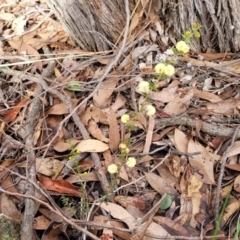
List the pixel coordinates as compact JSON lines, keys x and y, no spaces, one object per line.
{"x":143,"y":87}
{"x":131,"y":161}
{"x":163,"y":69}
{"x":125,"y":118}
{"x":182,"y":47}
{"x":166,"y":69}
{"x":114,"y":168}
{"x":150,"y":110}
{"x":123,"y":147}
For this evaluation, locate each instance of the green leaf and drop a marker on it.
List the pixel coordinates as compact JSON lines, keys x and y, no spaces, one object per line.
{"x":166,"y":203}
{"x":74,"y":86}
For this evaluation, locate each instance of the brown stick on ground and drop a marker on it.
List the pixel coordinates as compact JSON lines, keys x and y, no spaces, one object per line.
{"x":211,"y":129}
{"x":30,"y":205}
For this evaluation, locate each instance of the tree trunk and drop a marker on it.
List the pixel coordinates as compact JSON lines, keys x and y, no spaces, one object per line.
{"x":220,"y":20}
{"x":95,"y":25}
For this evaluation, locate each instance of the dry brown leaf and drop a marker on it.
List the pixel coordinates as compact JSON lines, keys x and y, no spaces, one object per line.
{"x":215,"y":56}
{"x":83,"y":177}
{"x":225,"y":107}
{"x":49,"y":167}
{"x":8,"y":208}
{"x":114,"y":135}
{"x":96,"y":132}
{"x":181,"y":140}
{"x":62,"y":146}
{"x":167,"y":94}
{"x":231,"y":208}
{"x":134,"y":21}
{"x":178,"y":105}
{"x":53,"y":231}
{"x":123,"y":173}
{"x":138,"y":51}
{"x":23,"y":47}
{"x":139,"y":120}
{"x":12,"y":114}
{"x":134,"y":201}
{"x":173,"y":163}
{"x":41,"y":223}
{"x":10,"y":186}
{"x":233,"y":67}
{"x":199,"y":63}
{"x":60,"y":109}
{"x":235,"y":149}
{"x":236,"y":184}
{"x":105,"y":60}
{"x":160,"y":185}
{"x":193,"y":191}
{"x":6,"y":163}
{"x":202,"y":163}
{"x":118,"y":212}
{"x":174,"y":228}
{"x":108,"y":158}
{"x":106,"y":90}
{"x":148,"y":141}
{"x":206,"y":96}
{"x":156,"y":230}
{"x":235,"y":167}
{"x":60,"y":186}
{"x":38,"y":131}
{"x":91,"y":145}
{"x":119,"y":103}
{"x":166,"y":174}
{"x":121,"y":234}
{"x":98,"y":115}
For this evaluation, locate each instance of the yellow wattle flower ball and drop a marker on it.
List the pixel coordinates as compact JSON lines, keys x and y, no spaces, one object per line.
{"x":123,"y":147}
{"x":112,"y":168}
{"x":169,"y":70}
{"x":195,"y":25}
{"x":125,"y":118}
{"x":143,"y":87}
{"x":150,"y":110}
{"x":197,"y":34}
{"x":159,"y":68}
{"x":131,"y":162}
{"x":181,"y":46}
{"x":188,"y":34}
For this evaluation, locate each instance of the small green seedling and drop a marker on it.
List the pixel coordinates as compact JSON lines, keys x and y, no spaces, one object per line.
{"x":167,"y":202}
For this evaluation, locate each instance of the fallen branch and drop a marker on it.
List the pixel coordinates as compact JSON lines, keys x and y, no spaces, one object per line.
{"x":211,"y":129}
{"x":30,"y":205}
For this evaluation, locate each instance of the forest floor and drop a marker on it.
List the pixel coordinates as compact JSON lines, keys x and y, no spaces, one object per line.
{"x":61,"y":126}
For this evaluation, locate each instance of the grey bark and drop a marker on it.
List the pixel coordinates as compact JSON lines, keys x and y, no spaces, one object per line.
{"x":96,"y":25}
{"x":220,"y":20}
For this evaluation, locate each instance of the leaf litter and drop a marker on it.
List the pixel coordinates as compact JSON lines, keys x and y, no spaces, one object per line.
{"x":179,"y":151}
